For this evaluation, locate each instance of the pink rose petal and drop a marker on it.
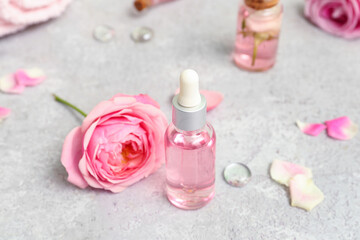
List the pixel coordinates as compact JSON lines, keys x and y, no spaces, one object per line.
{"x":4,"y":113}
{"x":9,"y":84}
{"x":29,"y":77}
{"x":312,"y":129}
{"x":71,"y":156}
{"x":304,"y":193}
{"x":213,"y":98}
{"x":282,"y":171}
{"x":143,"y":98}
{"x":341,"y":128}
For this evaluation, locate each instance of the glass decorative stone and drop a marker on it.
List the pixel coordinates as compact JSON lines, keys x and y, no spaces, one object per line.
{"x":237,"y":174}
{"x":142,"y":34}
{"x":103,"y":33}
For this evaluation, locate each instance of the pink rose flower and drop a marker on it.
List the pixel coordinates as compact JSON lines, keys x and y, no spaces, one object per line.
{"x":120,"y":142}
{"x":338,"y":17}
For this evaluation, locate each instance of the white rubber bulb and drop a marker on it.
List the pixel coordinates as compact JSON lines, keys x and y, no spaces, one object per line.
{"x":189,"y":95}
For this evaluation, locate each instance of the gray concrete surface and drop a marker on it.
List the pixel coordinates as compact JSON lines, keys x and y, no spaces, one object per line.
{"x":317,"y":77}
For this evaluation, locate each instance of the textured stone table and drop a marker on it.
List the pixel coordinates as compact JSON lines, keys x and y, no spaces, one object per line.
{"x":317,"y":77}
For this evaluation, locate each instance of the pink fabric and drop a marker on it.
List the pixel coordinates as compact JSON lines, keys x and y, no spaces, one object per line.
{"x":16,"y":15}
{"x":8,"y":28}
{"x":120,"y":142}
{"x":338,"y":17}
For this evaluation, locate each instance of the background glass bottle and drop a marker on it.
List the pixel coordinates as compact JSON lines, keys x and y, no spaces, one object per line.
{"x":258,"y":30}
{"x":190,"y":152}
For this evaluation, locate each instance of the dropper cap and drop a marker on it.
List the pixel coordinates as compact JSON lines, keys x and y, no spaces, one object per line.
{"x":189,"y":95}
{"x":189,"y":106}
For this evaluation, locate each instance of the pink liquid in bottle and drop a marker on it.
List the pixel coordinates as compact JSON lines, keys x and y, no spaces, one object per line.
{"x":257,"y":38}
{"x":190,"y":166}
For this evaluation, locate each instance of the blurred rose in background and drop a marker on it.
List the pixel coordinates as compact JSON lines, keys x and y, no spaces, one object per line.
{"x":338,"y":17}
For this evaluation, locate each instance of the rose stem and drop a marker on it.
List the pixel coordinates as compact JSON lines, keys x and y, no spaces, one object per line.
{"x":57,"y":98}
{"x":243,"y":26}
{"x":254,"y":53}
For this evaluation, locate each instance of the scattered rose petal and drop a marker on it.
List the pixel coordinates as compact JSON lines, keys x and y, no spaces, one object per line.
{"x":4,"y":113}
{"x":16,"y":83}
{"x":213,"y":98}
{"x":29,"y":77}
{"x":312,"y":129}
{"x":304,"y":193}
{"x":9,"y":84}
{"x":341,"y":128}
{"x":282,"y":171}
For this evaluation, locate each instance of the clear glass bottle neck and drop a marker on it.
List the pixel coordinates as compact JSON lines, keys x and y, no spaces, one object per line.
{"x":190,"y":132}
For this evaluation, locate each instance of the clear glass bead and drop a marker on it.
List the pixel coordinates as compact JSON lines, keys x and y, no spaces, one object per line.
{"x":103,"y":33}
{"x":142,"y":34}
{"x":237,"y":174}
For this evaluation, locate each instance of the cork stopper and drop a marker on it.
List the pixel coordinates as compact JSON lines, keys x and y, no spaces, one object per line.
{"x":142,"y":4}
{"x":261,"y":4}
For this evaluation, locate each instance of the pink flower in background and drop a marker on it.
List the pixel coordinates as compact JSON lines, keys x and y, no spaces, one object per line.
{"x":338,"y":17}
{"x":120,"y":142}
